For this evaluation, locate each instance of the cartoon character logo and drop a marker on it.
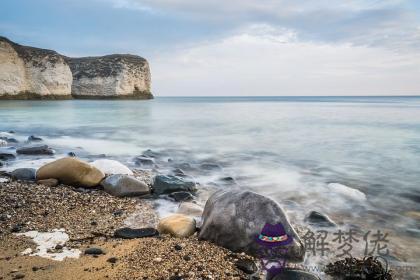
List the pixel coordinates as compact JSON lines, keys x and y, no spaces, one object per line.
{"x":272,"y":248}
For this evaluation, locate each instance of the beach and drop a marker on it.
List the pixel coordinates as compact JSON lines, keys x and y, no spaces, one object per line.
{"x":299,"y":159}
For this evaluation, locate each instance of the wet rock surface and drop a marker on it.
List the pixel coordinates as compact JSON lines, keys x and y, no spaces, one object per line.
{"x":36,"y":150}
{"x":319,"y":219}
{"x":24,"y":174}
{"x":234,"y":219}
{"x":163,"y":184}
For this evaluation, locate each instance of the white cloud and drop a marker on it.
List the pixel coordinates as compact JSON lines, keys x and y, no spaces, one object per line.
{"x":262,"y":60}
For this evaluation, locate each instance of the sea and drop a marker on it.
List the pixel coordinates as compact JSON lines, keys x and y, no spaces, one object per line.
{"x":355,"y":159}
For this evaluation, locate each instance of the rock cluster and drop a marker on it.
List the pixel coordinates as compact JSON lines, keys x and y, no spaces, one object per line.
{"x":33,"y":73}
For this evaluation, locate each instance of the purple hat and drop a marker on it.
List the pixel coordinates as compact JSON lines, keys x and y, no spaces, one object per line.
{"x":273,"y":235}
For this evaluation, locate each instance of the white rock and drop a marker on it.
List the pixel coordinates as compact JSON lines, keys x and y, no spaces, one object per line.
{"x":111,"y":167}
{"x":346,"y":191}
{"x":3,"y":143}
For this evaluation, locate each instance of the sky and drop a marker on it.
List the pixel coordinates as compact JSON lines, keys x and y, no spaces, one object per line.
{"x":237,"y":47}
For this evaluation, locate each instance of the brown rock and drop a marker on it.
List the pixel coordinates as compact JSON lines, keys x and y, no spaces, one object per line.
{"x":48,"y":182}
{"x":177,"y":225}
{"x":71,"y":171}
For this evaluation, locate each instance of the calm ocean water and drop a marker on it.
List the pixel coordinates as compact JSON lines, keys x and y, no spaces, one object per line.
{"x":356,"y":159}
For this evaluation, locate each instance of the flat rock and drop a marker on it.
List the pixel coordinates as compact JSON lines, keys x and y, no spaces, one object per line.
{"x":36,"y":150}
{"x":124,"y":185}
{"x":234,"y":220}
{"x":177,"y":225}
{"x":130,"y":233}
{"x":34,"y":138}
{"x":71,"y":171}
{"x":111,"y":167}
{"x":24,"y":174}
{"x":7,"y":156}
{"x":94,"y":251}
{"x":163,"y":184}
{"x":318,"y":219}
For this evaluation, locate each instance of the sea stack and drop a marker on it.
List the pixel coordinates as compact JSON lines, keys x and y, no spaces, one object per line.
{"x":32,"y":73}
{"x":111,"y":77}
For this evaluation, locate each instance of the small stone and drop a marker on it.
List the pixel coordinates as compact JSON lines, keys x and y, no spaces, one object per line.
{"x":118,"y":213}
{"x":71,"y":154}
{"x":19,"y":276}
{"x":319,"y":219}
{"x":59,"y":247}
{"x":187,"y":258}
{"x":94,"y":251}
{"x":178,"y":247}
{"x":36,"y":150}
{"x":112,"y":260}
{"x":130,"y":233}
{"x":93,"y":223}
{"x":181,"y":196}
{"x":34,"y":138}
{"x":24,"y":174}
{"x":16,"y":228}
{"x":7,"y":156}
{"x":35,"y":268}
{"x":157,"y":260}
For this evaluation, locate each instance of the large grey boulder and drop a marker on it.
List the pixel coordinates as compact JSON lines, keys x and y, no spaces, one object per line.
{"x":234,"y":219}
{"x":124,"y":185}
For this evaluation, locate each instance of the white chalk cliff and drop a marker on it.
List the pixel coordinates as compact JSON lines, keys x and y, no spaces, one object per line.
{"x":32,"y":73}
{"x":28,"y":73}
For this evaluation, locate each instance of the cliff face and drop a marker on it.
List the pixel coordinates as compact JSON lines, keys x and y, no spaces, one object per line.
{"x":32,"y":73}
{"x":111,"y":76}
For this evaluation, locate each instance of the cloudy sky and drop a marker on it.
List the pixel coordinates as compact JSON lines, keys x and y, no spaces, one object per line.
{"x":238,"y":47}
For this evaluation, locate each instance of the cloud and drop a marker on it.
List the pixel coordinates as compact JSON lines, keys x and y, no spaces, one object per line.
{"x":364,"y":22}
{"x":264,"y":60}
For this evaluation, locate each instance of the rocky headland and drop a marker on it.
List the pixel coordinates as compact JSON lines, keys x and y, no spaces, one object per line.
{"x":34,"y":73}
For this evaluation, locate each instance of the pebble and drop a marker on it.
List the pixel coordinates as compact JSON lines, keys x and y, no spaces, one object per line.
{"x":94,"y":251}
{"x":112,"y":260}
{"x":130,"y":233}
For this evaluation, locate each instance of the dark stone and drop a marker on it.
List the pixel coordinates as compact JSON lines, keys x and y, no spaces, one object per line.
{"x":290,"y":274}
{"x":168,"y":184}
{"x":247,"y":266}
{"x":71,"y":154}
{"x":118,"y":213}
{"x":210,"y":166}
{"x":12,"y":140}
{"x":24,"y":174}
{"x":58,"y":247}
{"x":35,"y":268}
{"x":233,"y":219}
{"x":94,"y":251}
{"x":144,"y":161}
{"x":1,"y":164}
{"x":181,"y":196}
{"x":6,"y":156}
{"x":130,"y":233}
{"x":187,"y":258}
{"x":112,"y":260}
{"x":17,"y":228}
{"x":36,"y":150}
{"x":93,"y":223}
{"x":34,"y":138}
{"x":318,"y":219}
{"x":178,"y":247}
{"x":151,"y":154}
